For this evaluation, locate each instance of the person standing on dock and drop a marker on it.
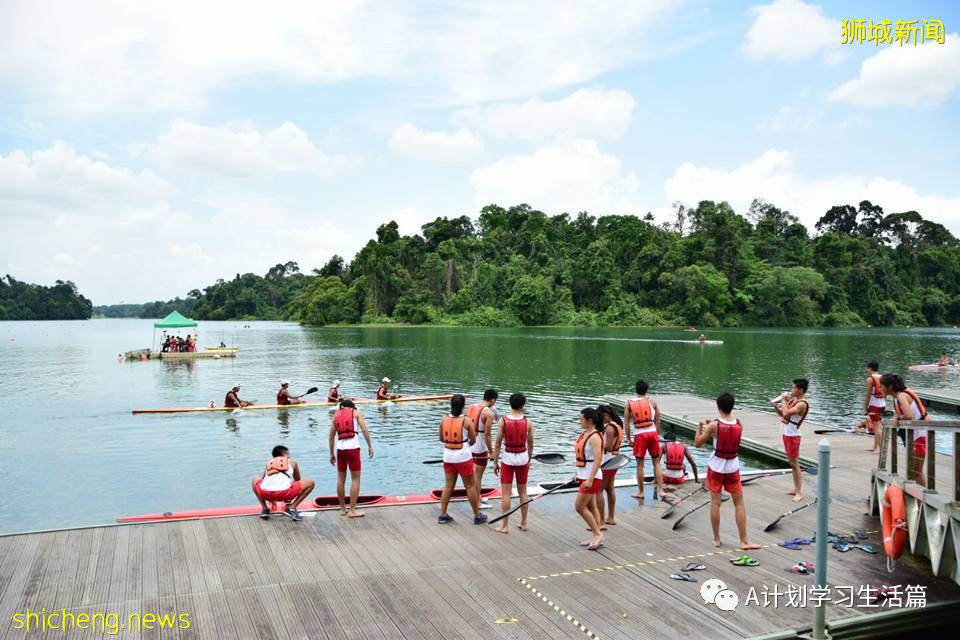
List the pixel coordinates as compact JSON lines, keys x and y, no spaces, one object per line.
{"x":613,"y":435}
{"x":723,"y":468}
{"x":515,"y":436}
{"x":485,"y":417}
{"x":589,"y":454}
{"x":643,"y":414}
{"x":457,"y":430}
{"x":675,"y":455}
{"x":333,"y":393}
{"x":874,"y":405}
{"x":909,"y":407}
{"x":792,"y":414}
{"x":232,"y":399}
{"x":281,"y":482}
{"x":345,"y":452}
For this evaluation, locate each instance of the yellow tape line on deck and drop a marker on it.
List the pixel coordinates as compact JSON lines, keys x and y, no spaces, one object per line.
{"x":556,"y":607}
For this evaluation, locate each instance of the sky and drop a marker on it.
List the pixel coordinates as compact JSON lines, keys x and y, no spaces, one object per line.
{"x":150,"y":148}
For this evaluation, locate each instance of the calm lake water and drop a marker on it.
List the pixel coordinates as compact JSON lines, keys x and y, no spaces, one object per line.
{"x":75,"y":455}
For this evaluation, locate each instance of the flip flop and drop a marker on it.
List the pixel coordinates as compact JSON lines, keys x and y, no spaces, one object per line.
{"x":842,"y":547}
{"x":745,"y":561}
{"x":693,"y":566}
{"x":802,"y":541}
{"x":869,"y":548}
{"x":789,"y":544}
{"x":683,"y":577}
{"x":809,"y":565}
{"x":861,"y":534}
{"x":799,"y":568}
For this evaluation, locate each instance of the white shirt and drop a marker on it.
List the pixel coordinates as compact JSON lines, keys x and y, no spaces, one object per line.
{"x":788,"y":428}
{"x":653,"y":416}
{"x":463,"y":454}
{"x":277,"y":481}
{"x":874,"y":400}
{"x":723,"y":465}
{"x":583,"y":473}
{"x":481,"y":444}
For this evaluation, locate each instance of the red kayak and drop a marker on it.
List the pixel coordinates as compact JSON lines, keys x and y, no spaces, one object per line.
{"x":319,"y":503}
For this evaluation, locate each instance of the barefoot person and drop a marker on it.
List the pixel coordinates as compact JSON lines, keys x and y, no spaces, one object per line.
{"x":457,"y":431}
{"x":345,"y":452}
{"x":333,"y":393}
{"x":874,"y":404}
{"x":723,"y":468}
{"x":589,"y":453}
{"x":232,"y":399}
{"x":676,"y":454}
{"x":485,"y":417}
{"x":511,"y":457}
{"x":613,"y":435}
{"x":792,"y":413}
{"x":281,"y":482}
{"x":284,"y":397}
{"x":909,"y":407}
{"x":643,"y":414}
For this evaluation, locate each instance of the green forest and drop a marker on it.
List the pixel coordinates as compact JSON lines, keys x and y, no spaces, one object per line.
{"x":24,"y":301}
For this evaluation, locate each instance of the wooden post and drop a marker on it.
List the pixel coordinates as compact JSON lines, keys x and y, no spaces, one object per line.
{"x":931,"y":461}
{"x":893,"y":451}
{"x":911,"y":462}
{"x":956,"y":466}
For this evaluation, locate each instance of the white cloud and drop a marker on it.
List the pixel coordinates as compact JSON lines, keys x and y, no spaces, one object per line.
{"x":792,"y":30}
{"x":412,"y":142}
{"x":789,"y":119}
{"x":773,"y":178}
{"x":911,"y":76}
{"x":566,"y":175}
{"x":43,"y":180}
{"x":106,"y":56}
{"x":585,"y":113}
{"x":241,"y":150}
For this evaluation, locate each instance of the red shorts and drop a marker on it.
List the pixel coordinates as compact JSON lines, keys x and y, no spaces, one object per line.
{"x":480,"y":459}
{"x":920,"y":447}
{"x":671,"y":480}
{"x":594,"y":488}
{"x":717,"y":482}
{"x":646,"y":442}
{"x":791,"y":444}
{"x":463,"y":468}
{"x":348,"y":458}
{"x":609,"y":473}
{"x":508,"y":471}
{"x":290,"y":493}
{"x":875,"y":413}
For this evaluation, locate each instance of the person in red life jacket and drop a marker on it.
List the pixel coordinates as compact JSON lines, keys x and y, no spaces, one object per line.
{"x":643,"y":414}
{"x":457,"y":433}
{"x":674,"y":456}
{"x":908,"y":406}
{"x":874,"y":404}
{"x":232,"y":399}
{"x":485,"y":417}
{"x":333,"y":393}
{"x":723,"y":468}
{"x":281,"y":482}
{"x":588,"y":453}
{"x":511,"y":457}
{"x":792,"y":413}
{"x":613,"y":437}
{"x":383,"y":391}
{"x":345,"y":452}
{"x":284,"y":397}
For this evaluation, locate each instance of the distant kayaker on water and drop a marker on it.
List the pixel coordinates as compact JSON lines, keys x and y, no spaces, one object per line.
{"x":345,"y":452}
{"x":944,"y":360}
{"x":284,"y":397}
{"x":383,"y":391}
{"x":333,"y":394}
{"x":232,"y":398}
{"x":702,"y":338}
{"x":281,"y":482}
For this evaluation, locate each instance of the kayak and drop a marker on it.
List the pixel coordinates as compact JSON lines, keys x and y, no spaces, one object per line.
{"x":932,"y":367}
{"x":222,"y":348}
{"x":320,"y":503}
{"x":303,"y":405}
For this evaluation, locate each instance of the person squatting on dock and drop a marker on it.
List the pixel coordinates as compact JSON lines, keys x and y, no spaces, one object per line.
{"x":281,"y":482}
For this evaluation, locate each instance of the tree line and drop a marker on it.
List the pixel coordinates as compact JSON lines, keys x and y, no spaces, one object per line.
{"x":25,"y":301}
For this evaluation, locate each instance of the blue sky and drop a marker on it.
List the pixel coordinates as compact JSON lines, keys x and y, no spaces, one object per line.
{"x":148,"y":149}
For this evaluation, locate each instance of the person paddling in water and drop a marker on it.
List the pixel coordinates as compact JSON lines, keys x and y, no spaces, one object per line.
{"x":284,"y":397}
{"x":232,"y":399}
{"x":456,"y":432}
{"x":281,"y":482}
{"x":345,"y":442}
{"x":383,"y":391}
{"x":515,"y":437}
{"x":792,"y":413}
{"x":723,"y":468}
{"x":333,"y":393}
{"x":589,"y":454}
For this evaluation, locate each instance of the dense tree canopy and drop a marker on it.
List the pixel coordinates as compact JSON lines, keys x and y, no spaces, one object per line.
{"x":23,"y":301}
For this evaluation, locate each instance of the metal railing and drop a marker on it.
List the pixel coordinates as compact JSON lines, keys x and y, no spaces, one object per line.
{"x":888,"y":451}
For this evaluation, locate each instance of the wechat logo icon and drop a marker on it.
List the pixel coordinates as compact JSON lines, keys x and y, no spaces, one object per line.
{"x":716,"y":592}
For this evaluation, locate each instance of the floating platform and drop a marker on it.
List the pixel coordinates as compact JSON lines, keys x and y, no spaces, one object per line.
{"x":943,"y":399}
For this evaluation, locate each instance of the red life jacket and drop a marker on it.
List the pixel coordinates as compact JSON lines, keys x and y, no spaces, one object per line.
{"x":877,"y":389}
{"x":282,"y":398}
{"x":452,"y":431}
{"x":333,"y":394}
{"x":383,"y":392}
{"x":580,"y":449}
{"x":230,"y":400}
{"x":473,"y":412}
{"x":791,"y":419}
{"x":728,"y":440}
{"x":675,"y":455}
{"x":916,"y":399}
{"x":642,"y":412}
{"x":514,"y":434}
{"x":343,"y":421}
{"x":619,"y":438}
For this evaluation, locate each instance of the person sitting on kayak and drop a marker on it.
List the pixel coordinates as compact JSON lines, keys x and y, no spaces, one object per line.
{"x":284,"y":397}
{"x":223,"y":345}
{"x":944,"y":361}
{"x":281,"y":482}
{"x":333,"y":393}
{"x":702,"y":338}
{"x":383,"y":391}
{"x":232,"y":398}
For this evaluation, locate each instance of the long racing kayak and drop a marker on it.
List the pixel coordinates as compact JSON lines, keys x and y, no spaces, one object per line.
{"x":303,"y":405}
{"x":319,"y":503}
{"x":932,"y":367}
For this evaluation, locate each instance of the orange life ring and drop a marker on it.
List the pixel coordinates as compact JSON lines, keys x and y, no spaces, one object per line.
{"x":894,"y":521}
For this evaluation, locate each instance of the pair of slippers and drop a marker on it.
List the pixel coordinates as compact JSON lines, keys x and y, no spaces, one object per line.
{"x":795,"y":543}
{"x":843,"y":547}
{"x":745,"y":561}
{"x":686,"y":577}
{"x":802,"y":567}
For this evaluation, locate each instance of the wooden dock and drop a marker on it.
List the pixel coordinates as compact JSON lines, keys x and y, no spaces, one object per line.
{"x":397,"y":574}
{"x":941,"y":399}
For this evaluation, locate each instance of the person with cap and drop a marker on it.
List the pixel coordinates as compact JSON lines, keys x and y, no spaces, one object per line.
{"x":383,"y":391}
{"x":333,"y":393}
{"x":232,"y":398}
{"x":284,"y":396}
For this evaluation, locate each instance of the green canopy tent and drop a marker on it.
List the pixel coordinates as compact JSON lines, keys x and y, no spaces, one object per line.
{"x":174,"y":320}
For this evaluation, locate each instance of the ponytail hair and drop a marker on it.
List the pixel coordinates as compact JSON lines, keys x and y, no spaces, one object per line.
{"x":592,"y":415}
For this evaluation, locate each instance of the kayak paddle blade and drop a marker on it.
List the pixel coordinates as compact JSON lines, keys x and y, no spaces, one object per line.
{"x":550,"y":458}
{"x":616,"y":462}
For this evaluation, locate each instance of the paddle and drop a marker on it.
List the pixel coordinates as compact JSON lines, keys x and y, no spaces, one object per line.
{"x":565,"y":485}
{"x":545,"y":458}
{"x":773,"y":524}
{"x":723,"y":498}
{"x":672,"y":508}
{"x":851,"y":432}
{"x":309,"y":391}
